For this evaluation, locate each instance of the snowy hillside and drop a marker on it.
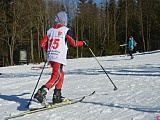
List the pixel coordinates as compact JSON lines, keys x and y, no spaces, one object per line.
{"x":137,"y":97}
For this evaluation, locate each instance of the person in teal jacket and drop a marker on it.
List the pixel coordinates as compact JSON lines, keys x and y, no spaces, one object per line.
{"x":131,"y":46}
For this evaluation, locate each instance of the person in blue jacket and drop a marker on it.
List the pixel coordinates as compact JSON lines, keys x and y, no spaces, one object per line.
{"x":131,"y":46}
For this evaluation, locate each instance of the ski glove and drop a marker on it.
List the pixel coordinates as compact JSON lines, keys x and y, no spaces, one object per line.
{"x":86,"y":42}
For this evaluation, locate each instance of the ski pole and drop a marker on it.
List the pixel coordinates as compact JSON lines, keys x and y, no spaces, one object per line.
{"x":36,"y":84}
{"x":115,"y":88}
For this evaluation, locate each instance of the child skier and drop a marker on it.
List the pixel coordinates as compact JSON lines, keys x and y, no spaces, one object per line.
{"x":55,"y":43}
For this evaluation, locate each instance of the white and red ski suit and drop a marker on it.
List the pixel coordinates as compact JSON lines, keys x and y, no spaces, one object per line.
{"x":55,"y":43}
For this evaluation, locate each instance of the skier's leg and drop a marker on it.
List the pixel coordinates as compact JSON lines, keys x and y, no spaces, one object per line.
{"x":131,"y":52}
{"x":60,"y":82}
{"x":57,"y":92}
{"x":55,"y":76}
{"x":41,"y":93}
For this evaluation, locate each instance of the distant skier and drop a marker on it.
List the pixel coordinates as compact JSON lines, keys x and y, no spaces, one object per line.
{"x":55,"y":43}
{"x":131,"y":44}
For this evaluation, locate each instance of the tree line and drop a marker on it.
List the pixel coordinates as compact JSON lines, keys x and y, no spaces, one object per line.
{"x":106,"y":25}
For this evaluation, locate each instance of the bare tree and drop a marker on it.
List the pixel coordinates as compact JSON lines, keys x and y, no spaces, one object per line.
{"x":141,"y":23}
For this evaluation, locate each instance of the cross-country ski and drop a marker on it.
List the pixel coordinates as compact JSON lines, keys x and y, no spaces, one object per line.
{"x":51,"y":106}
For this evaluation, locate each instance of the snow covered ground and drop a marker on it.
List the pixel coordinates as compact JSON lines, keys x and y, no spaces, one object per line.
{"x":137,"y":97}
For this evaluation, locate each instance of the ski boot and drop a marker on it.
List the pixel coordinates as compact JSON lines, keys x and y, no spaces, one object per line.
{"x":40,"y":96}
{"x":57,"y":98}
{"x":132,"y":57}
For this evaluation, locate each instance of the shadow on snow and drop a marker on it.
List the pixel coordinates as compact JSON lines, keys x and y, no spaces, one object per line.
{"x":131,"y":107}
{"x":16,"y":98}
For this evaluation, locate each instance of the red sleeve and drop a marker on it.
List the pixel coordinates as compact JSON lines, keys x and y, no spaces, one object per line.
{"x":74,"y":42}
{"x":44,"y":42}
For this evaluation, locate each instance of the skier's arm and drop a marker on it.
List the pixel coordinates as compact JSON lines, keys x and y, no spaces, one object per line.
{"x":43,"y":42}
{"x":72,"y":41}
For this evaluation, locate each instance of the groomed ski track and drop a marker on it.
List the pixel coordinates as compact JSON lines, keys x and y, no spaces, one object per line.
{"x":137,"y":97}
